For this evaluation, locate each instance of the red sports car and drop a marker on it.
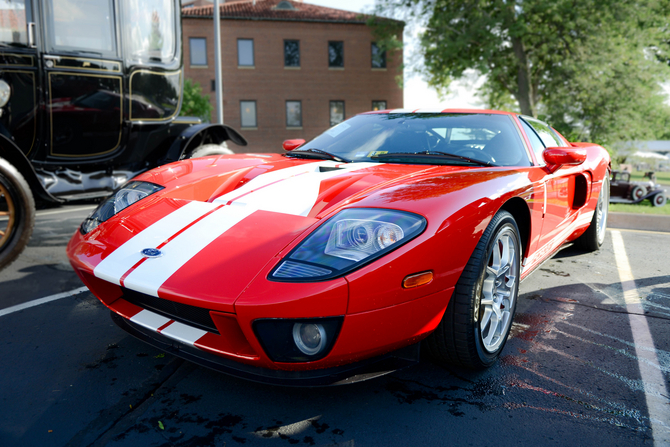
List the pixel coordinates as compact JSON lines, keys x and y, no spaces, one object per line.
{"x":331,"y":262}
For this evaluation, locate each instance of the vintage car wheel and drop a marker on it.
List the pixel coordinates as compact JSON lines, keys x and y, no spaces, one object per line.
{"x":209,"y":149}
{"x":594,"y":236}
{"x":475,"y":326}
{"x":659,"y":199}
{"x":17,"y":213}
{"x":638,"y":192}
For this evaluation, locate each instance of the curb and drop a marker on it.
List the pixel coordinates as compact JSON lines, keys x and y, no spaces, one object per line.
{"x":633,"y":221}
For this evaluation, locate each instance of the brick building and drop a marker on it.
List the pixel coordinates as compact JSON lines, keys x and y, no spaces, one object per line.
{"x":290,"y":69}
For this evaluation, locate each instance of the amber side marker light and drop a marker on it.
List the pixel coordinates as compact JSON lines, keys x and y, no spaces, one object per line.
{"x":417,"y":279}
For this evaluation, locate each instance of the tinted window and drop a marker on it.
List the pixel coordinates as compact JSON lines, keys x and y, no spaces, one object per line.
{"x":248,"y":114}
{"x":491,"y":138}
{"x":336,"y":54}
{"x":149,"y":28}
{"x":245,"y":52}
{"x":293,"y":114}
{"x":81,"y":25}
{"x":291,"y":53}
{"x":198,"y":47}
{"x":378,"y":57}
{"x":336,"y":112}
{"x":535,"y":142}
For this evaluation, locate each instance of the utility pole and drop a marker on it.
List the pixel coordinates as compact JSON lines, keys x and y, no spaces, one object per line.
{"x":218,"y":85}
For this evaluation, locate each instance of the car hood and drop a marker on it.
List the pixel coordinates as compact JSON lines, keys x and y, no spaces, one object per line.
{"x":220,"y":220}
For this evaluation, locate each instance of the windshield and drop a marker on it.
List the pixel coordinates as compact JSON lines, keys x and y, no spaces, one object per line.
{"x":13,"y":23}
{"x":81,"y":26}
{"x":150,"y":30}
{"x":488,"y":138}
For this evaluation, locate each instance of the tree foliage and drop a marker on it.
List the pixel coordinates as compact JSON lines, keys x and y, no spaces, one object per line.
{"x":195,"y":103}
{"x":590,"y":67}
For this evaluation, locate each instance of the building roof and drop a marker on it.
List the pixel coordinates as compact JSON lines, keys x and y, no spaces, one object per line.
{"x":283,"y":10}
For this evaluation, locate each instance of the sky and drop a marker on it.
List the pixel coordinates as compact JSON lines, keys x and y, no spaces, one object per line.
{"x":417,"y":93}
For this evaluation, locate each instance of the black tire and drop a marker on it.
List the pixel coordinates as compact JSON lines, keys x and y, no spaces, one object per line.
{"x":209,"y":149}
{"x":17,"y":211}
{"x":594,"y":236}
{"x":459,"y":339}
{"x":659,"y":199}
{"x":638,"y":192}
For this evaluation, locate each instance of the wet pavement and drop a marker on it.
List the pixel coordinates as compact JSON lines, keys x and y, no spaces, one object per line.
{"x":588,"y":364}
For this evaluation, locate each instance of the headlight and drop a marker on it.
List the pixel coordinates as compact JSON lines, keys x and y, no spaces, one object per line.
{"x":292,"y":341}
{"x":121,"y":198}
{"x":347,"y":241}
{"x":5,"y":93}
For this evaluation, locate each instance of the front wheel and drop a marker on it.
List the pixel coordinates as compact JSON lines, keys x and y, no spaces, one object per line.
{"x":210,"y":149}
{"x":17,"y":213}
{"x":658,"y":200}
{"x":476,"y":324}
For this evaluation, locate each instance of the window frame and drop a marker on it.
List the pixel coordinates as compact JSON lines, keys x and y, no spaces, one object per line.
{"x":253,"y":101}
{"x":289,"y":126}
{"x":297,"y":42}
{"x":330,"y":42}
{"x":253,"y":52}
{"x":190,"y":52}
{"x":330,"y":111}
{"x":374,"y":45}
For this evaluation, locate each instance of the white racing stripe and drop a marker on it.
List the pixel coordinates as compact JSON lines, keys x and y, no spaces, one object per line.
{"x":292,"y":190}
{"x":114,"y":266}
{"x":183,"y":333}
{"x":150,"y":320}
{"x":150,"y":275}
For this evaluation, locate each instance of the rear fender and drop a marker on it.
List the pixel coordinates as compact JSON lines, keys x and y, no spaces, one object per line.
{"x":11,"y":152}
{"x":200,"y":134}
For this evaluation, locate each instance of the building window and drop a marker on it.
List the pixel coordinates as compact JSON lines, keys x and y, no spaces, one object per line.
{"x":293,"y":114}
{"x":248,"y":114}
{"x":213,"y":85}
{"x":198,"y":47}
{"x":378,"y":105}
{"x":378,"y":57}
{"x":245,"y":52}
{"x":336,"y":112}
{"x":291,"y":53}
{"x":336,"y":54}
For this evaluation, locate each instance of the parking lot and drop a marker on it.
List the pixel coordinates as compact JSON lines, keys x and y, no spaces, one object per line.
{"x":588,"y":363}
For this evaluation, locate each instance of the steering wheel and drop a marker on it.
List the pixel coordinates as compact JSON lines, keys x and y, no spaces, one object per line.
{"x":476,"y":154}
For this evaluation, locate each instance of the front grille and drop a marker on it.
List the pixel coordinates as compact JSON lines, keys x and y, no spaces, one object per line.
{"x":183,"y":313}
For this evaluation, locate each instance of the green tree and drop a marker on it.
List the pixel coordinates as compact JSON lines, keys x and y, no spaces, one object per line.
{"x":195,"y":103}
{"x":587,"y":66}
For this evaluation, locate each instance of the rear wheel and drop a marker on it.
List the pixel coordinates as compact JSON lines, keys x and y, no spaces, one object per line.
{"x":17,"y":213}
{"x":659,"y":199}
{"x":476,"y":324}
{"x":594,"y":236}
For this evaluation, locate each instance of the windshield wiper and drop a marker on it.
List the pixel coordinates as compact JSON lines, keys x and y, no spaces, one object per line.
{"x":431,"y":155}
{"x":316,"y":153}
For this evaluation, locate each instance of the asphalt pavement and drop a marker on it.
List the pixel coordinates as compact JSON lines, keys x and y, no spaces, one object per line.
{"x":588,"y":363}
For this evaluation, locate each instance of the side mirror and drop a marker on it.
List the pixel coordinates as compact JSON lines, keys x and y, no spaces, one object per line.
{"x":559,"y":156}
{"x":289,"y":145}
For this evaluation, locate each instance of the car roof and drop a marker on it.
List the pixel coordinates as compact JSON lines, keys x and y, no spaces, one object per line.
{"x":440,"y":110}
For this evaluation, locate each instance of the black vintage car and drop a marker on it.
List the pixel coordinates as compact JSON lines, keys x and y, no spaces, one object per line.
{"x":622,"y":190}
{"x":90,"y":93}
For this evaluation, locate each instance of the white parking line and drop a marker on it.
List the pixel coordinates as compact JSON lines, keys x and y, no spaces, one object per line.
{"x":39,"y":301}
{"x":650,"y":371}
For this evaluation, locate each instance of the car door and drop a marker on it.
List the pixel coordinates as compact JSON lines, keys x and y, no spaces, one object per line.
{"x":560,"y":206}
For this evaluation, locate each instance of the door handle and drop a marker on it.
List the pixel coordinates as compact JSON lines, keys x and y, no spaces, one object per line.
{"x":31,"y":35}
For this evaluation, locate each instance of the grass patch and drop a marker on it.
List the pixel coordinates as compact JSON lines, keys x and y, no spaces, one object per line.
{"x":644,"y":207}
{"x":661,"y":177}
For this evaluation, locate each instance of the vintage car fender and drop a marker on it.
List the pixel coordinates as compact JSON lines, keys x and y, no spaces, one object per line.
{"x":199,"y":134}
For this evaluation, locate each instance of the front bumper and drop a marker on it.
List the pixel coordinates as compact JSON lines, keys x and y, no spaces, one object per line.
{"x":346,"y":374}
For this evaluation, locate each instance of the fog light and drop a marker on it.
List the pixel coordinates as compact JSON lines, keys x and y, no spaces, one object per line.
{"x":310,"y":338}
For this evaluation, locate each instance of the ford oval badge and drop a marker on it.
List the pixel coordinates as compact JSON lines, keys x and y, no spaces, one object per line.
{"x":151,"y":253}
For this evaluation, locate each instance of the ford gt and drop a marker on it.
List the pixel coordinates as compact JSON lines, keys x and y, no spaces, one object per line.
{"x":339,"y":259}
